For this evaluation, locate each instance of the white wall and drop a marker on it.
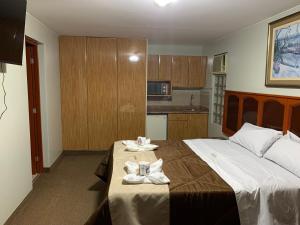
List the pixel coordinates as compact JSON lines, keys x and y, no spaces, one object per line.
{"x":247,"y":49}
{"x":15,"y":159}
{"x":50,"y":87}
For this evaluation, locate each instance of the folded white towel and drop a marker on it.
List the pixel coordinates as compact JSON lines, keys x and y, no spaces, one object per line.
{"x":132,"y":146}
{"x":156,"y":175}
{"x":152,"y":178}
{"x":133,"y":167}
{"x":156,"y":167}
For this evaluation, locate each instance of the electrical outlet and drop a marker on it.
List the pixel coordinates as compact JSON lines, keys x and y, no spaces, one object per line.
{"x":2,"y":67}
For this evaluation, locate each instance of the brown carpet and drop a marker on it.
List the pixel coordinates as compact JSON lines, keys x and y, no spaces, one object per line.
{"x":67,"y":195}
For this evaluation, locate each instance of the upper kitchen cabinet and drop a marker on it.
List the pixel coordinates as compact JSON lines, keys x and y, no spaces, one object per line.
{"x":165,"y":67}
{"x":153,"y":67}
{"x":197,"y":71}
{"x":131,"y":88}
{"x":73,"y":93}
{"x":180,"y":71}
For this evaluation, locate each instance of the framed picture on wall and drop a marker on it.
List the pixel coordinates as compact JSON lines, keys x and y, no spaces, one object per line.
{"x":283,"y":56}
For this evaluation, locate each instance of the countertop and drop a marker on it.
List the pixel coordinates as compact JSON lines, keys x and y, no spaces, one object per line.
{"x":164,"y":109}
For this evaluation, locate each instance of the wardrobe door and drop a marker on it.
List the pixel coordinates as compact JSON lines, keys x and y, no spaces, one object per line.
{"x":73,"y":93}
{"x":131,"y":88}
{"x":102,"y":92}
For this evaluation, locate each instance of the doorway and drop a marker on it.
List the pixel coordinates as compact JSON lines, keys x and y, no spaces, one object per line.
{"x":34,"y":105}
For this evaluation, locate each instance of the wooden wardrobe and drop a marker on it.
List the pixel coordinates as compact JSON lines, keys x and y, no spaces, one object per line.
{"x":103,"y":92}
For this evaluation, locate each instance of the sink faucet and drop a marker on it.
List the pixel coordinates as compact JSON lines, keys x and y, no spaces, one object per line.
{"x":191,"y":100}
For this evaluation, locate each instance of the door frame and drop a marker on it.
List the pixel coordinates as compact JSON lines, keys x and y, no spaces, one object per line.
{"x":36,"y":143}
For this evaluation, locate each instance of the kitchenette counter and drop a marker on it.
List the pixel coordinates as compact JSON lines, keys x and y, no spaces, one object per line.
{"x":172,"y":109}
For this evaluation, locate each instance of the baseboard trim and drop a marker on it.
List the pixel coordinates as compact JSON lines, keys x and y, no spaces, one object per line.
{"x":48,"y":169}
{"x":72,"y":152}
{"x":84,"y":152}
{"x":19,"y":206}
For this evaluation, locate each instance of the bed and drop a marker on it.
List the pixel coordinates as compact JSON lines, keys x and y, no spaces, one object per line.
{"x":213,"y":182}
{"x":194,"y":188}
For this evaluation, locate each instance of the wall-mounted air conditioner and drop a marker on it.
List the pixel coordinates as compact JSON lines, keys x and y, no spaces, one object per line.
{"x":220,"y":64}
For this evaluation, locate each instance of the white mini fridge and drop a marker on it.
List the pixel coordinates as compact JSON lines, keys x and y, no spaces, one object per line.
{"x":156,"y":127}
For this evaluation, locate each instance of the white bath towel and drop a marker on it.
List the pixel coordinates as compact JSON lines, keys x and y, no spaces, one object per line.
{"x":156,"y":175}
{"x":132,"y":146}
{"x":152,"y":178}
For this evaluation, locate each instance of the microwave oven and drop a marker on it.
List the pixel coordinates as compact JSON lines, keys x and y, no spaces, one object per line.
{"x":159,"y":88}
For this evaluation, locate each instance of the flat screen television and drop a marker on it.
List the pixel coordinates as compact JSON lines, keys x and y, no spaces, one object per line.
{"x":12,"y":25}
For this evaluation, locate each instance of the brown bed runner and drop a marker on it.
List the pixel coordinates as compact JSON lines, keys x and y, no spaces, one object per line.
{"x":198,"y":195}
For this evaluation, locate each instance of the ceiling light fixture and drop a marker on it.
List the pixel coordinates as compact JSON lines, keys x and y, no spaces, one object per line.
{"x":163,"y":3}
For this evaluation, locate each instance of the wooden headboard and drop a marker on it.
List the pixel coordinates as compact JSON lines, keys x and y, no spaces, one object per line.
{"x":271,"y":111}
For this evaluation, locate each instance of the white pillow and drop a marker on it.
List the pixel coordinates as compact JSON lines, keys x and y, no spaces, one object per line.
{"x":292,"y":136}
{"x":256,"y":139}
{"x":286,"y":153}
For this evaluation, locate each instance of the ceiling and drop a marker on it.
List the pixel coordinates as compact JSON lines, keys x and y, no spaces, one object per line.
{"x":184,"y":22}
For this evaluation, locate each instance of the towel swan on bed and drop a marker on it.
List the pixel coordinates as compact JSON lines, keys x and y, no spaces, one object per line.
{"x":156,"y":175}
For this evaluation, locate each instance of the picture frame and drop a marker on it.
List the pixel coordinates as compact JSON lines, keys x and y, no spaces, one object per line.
{"x":283,"y":53}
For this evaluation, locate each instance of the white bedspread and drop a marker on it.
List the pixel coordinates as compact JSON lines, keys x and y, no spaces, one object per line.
{"x":266,"y":193}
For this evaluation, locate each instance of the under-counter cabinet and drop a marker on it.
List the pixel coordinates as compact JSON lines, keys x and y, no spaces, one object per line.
{"x":177,"y":126}
{"x":198,"y":126}
{"x":187,"y":126}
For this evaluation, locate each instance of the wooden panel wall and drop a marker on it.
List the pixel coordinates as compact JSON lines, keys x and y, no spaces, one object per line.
{"x":102,"y":92}
{"x":131,"y":89}
{"x":73,"y":93}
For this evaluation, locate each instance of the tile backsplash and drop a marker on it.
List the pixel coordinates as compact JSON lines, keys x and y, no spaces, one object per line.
{"x":182,"y":97}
